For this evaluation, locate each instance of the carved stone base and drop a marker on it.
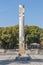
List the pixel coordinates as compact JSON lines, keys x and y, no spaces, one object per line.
{"x":22,"y":59}
{"x":21,"y":49}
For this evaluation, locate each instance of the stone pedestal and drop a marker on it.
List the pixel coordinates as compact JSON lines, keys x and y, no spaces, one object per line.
{"x":24,"y":59}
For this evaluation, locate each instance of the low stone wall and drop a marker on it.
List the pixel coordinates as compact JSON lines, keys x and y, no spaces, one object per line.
{"x":35,"y":51}
{"x":2,"y":50}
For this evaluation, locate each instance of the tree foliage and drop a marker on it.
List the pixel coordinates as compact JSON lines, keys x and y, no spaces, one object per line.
{"x":9,"y":36}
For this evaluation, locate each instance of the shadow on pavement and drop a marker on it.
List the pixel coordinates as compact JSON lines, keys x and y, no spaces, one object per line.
{"x":36,"y":60}
{"x":6,"y":62}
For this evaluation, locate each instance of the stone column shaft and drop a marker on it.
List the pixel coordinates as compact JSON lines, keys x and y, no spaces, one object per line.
{"x":21,"y":31}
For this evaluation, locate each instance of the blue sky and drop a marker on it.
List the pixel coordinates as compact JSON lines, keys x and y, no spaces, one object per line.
{"x":9,"y":12}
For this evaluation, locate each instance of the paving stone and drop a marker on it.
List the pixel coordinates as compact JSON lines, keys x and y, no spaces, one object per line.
{"x":10,"y":60}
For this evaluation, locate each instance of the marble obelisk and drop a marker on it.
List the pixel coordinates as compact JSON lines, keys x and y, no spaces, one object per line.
{"x":21,"y":31}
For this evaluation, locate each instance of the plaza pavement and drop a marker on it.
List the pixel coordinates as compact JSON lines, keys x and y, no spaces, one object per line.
{"x":9,"y":59}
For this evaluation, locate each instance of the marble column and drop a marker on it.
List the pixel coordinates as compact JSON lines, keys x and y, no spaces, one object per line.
{"x":21,"y":31}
